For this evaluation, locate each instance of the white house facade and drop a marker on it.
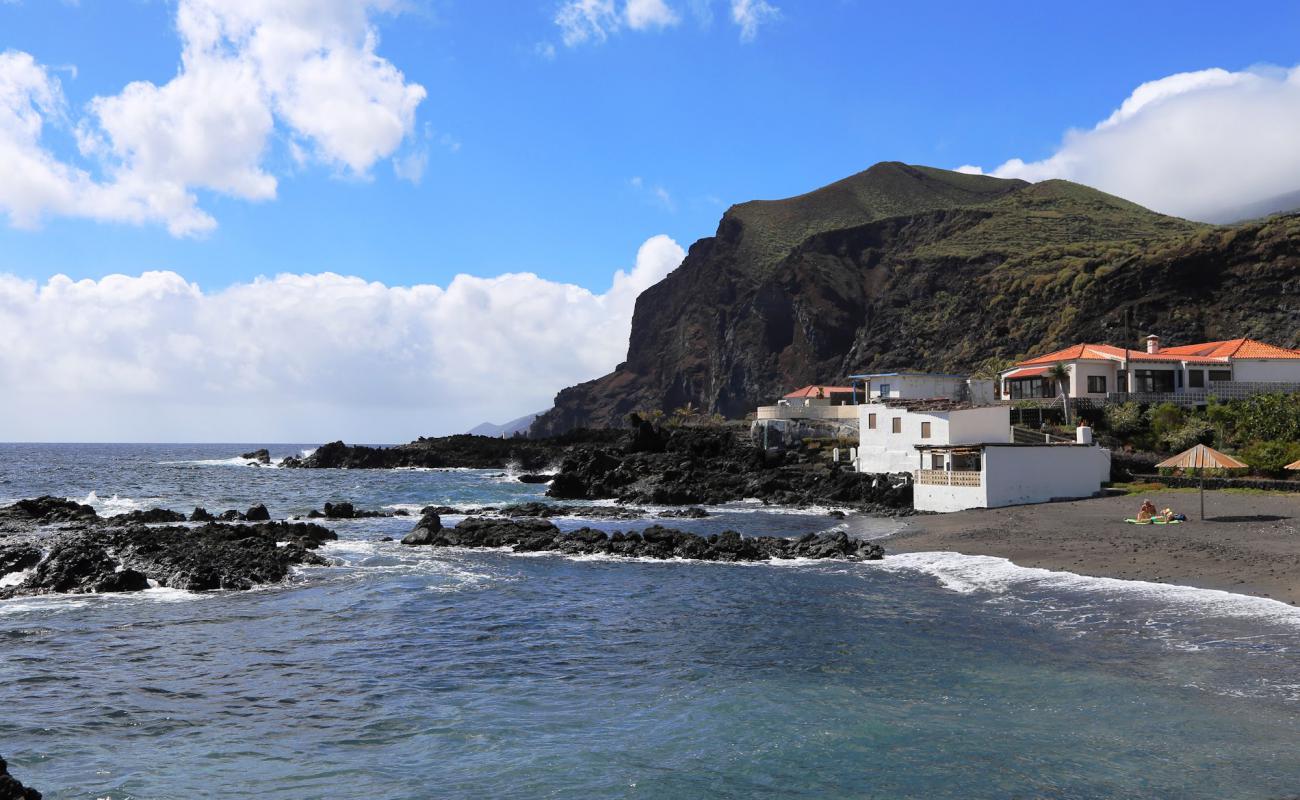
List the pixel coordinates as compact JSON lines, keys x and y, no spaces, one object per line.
{"x":1192,"y":373}
{"x":889,"y":433}
{"x":990,"y":475}
{"x":922,"y":386}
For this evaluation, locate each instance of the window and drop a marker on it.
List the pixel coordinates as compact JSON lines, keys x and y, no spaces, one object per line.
{"x":936,"y":461}
{"x":925,"y":430}
{"x":1196,"y":378}
{"x":898,"y":424}
{"x":1096,"y":384}
{"x":1220,"y":375}
{"x":884,"y":390}
{"x":871,"y":421}
{"x":1153,"y":380}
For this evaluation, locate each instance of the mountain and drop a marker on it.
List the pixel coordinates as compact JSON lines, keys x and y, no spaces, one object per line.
{"x":1282,"y":204}
{"x":510,"y":428}
{"x":919,"y":268}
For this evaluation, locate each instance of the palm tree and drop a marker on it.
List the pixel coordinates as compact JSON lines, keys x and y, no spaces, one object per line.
{"x":1061,"y":375}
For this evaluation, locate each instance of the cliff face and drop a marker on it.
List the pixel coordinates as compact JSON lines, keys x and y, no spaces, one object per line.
{"x":907,"y":267}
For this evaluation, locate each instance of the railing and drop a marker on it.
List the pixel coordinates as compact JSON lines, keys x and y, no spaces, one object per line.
{"x":1027,"y":436}
{"x":1220,"y":390}
{"x":944,"y":477}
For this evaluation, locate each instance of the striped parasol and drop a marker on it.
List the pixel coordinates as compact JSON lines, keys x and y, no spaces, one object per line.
{"x":1201,"y":458}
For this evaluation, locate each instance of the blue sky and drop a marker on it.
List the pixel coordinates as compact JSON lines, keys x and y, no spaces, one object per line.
{"x":299,"y":220}
{"x":537,"y":165}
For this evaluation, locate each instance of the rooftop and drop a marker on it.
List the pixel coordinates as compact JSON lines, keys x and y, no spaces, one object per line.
{"x":1202,"y":353}
{"x":817,"y":392}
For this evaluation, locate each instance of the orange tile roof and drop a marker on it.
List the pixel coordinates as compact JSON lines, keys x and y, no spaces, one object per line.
{"x":812,"y":392}
{"x":1204,"y":353}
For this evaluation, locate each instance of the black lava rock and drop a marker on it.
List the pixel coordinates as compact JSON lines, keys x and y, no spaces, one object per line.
{"x":11,"y":789}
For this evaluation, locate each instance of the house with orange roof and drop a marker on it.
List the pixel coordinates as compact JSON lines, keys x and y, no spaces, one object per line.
{"x":1184,"y":373}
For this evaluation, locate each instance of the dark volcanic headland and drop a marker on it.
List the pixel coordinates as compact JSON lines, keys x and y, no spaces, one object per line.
{"x":906,"y":267}
{"x":645,"y":463}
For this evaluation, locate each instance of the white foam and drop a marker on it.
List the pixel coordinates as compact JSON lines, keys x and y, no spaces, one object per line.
{"x":236,"y":461}
{"x":15,"y":578}
{"x":969,"y":574}
{"x":113,"y":505}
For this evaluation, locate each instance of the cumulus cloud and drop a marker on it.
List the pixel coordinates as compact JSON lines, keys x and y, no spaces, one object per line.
{"x":248,"y":69}
{"x":153,"y":357}
{"x":1192,"y":144}
{"x":594,"y":21}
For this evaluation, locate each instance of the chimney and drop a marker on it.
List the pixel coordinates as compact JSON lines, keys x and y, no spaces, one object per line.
{"x":1153,"y":344}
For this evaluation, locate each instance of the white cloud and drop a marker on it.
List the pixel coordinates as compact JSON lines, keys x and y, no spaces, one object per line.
{"x":594,"y":21}
{"x":646,"y":14}
{"x":301,"y":357}
{"x":749,"y":15}
{"x":582,"y":21}
{"x":247,"y":67}
{"x":1190,"y":144}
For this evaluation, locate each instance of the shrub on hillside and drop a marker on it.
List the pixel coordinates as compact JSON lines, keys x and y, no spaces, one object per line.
{"x":1124,"y":419}
{"x":1270,"y":458}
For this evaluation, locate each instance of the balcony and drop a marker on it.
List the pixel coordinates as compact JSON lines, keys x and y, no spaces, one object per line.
{"x":944,"y":477}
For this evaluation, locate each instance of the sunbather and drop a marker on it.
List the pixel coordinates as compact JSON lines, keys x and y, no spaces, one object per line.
{"x":1147,"y":512}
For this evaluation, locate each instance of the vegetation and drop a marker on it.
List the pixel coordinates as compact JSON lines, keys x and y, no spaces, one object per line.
{"x":1263,"y":431}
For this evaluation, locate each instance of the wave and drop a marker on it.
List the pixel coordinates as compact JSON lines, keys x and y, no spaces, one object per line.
{"x":969,"y":574}
{"x":113,"y":505}
{"x":236,"y":461}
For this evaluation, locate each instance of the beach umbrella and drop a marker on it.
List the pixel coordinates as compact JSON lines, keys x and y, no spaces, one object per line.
{"x":1201,"y":458}
{"x":1293,"y":465}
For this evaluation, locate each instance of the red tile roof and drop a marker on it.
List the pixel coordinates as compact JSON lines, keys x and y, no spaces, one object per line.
{"x":818,"y":391}
{"x":1027,"y":372}
{"x":1203,"y":353}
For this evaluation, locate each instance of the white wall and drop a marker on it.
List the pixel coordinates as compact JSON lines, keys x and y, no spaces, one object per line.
{"x":979,"y":425}
{"x":882,"y":450}
{"x":1280,"y":371}
{"x":1082,"y":370}
{"x":948,"y":498}
{"x":918,"y":387}
{"x":1017,"y":475}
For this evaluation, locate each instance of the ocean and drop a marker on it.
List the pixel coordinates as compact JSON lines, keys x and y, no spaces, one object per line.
{"x":426,"y":673}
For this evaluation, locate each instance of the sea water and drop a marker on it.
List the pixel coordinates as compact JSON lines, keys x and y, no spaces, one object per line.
{"x":431,"y":673}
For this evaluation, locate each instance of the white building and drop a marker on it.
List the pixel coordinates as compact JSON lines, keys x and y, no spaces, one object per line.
{"x":889,"y":433}
{"x":813,"y":402}
{"x":993,"y":474}
{"x":922,"y":386}
{"x":1186,"y":373}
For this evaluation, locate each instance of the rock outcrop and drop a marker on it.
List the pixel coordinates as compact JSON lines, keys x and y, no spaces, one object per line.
{"x":539,"y":535}
{"x":122,"y":554}
{"x":11,"y":789}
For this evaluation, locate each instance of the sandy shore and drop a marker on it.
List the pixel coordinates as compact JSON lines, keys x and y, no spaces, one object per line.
{"x":1249,"y":543}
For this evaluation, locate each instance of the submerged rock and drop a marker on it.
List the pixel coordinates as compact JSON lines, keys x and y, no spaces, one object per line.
{"x":536,"y":478}
{"x":346,"y":510}
{"x":425,"y":531}
{"x":11,"y":789}
{"x":262,"y":456}
{"x":539,"y":535}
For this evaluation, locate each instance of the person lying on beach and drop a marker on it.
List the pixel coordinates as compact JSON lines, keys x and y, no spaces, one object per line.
{"x":1168,"y":515}
{"x":1147,"y":512}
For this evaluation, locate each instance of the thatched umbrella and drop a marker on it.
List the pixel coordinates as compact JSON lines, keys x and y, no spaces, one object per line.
{"x":1201,"y":458}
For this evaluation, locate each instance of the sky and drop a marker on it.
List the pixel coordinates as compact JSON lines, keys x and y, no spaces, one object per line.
{"x":300,"y":220}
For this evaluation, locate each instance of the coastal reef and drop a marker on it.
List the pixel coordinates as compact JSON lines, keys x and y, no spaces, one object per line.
{"x":89,"y":554}
{"x":531,"y":535}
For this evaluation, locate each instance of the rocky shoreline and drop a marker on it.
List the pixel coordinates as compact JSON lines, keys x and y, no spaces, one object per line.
{"x":643,"y":464}
{"x":11,"y":788}
{"x":533,"y":534}
{"x":51,"y":545}
{"x":93,"y":555}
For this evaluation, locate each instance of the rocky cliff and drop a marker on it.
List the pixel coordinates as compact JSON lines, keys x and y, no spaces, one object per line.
{"x":904,"y":267}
